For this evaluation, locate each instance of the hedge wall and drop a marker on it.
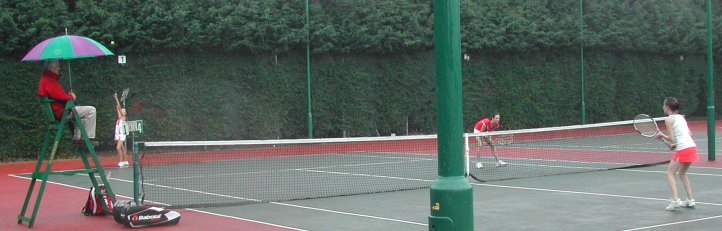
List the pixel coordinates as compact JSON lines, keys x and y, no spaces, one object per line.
{"x":220,"y":95}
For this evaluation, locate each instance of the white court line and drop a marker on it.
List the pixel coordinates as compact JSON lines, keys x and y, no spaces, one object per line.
{"x":238,"y":218}
{"x":673,"y":223}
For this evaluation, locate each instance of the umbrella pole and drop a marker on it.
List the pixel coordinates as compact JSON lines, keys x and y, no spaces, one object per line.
{"x":70,"y":77}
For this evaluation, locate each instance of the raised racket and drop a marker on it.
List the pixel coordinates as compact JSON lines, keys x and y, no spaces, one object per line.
{"x":124,"y":95}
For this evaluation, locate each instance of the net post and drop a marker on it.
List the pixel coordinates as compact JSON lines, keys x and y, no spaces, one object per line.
{"x":466,"y":154}
{"x":710,"y":88}
{"x":136,"y":172}
{"x":451,"y":194}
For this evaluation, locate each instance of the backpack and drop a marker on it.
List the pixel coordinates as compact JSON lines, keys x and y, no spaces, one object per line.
{"x":93,"y":206}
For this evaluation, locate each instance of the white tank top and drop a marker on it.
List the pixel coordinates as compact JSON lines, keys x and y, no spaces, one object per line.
{"x":682,"y":134}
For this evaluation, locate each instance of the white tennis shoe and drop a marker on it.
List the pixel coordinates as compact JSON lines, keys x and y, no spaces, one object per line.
{"x":673,"y":204}
{"x":479,"y":165}
{"x":123,"y":164}
{"x":500,"y":163}
{"x":689,"y":203}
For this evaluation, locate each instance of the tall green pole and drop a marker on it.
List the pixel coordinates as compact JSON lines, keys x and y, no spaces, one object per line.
{"x":451,"y":193}
{"x":710,"y":88}
{"x":308,"y":72}
{"x":581,"y":60}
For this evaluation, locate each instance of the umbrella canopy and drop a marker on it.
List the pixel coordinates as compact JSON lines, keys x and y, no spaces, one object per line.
{"x":67,"y":47}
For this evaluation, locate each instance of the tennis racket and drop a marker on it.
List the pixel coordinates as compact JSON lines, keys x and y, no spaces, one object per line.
{"x":503,"y":140}
{"x":646,"y":126}
{"x":498,"y":140}
{"x":124,"y":95}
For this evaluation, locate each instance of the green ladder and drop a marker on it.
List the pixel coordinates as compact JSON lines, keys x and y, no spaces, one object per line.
{"x":55,"y":128}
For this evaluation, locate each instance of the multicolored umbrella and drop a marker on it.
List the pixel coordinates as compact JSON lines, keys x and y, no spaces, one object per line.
{"x":67,"y":47}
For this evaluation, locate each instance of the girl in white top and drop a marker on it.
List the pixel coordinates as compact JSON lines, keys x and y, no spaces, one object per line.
{"x":685,"y":152}
{"x":120,"y":133}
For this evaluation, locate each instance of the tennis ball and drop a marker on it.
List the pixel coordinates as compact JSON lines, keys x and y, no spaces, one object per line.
{"x":112,"y":42}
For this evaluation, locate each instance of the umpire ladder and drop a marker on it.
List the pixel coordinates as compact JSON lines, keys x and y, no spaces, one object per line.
{"x":55,"y":128}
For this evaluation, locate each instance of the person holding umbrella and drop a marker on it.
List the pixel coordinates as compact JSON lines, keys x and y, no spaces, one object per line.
{"x":49,"y":86}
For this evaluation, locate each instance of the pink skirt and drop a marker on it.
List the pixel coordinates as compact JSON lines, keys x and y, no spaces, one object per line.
{"x":687,"y":155}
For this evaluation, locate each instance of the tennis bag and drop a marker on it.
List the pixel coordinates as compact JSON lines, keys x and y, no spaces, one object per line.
{"x":93,"y":206}
{"x":144,"y":216}
{"x":120,"y":208}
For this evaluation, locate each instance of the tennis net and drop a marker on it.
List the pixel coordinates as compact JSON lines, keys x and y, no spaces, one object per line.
{"x":213,"y":173}
{"x":186,"y":174}
{"x":562,"y":150}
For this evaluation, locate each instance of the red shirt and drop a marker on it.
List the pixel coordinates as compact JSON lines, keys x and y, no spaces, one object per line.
{"x":50,"y":87}
{"x":488,"y":127}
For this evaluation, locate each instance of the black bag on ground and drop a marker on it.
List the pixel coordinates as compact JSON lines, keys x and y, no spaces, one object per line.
{"x":145,"y":216}
{"x":120,"y":208}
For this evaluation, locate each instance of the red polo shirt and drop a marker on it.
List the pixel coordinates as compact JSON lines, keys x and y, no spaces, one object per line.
{"x":487,"y":122}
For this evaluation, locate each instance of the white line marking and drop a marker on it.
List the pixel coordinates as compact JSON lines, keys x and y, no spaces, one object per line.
{"x":674,"y":223}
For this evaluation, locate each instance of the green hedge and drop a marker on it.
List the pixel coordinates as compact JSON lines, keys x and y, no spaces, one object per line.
{"x":369,"y":26}
{"x":221,"y":96}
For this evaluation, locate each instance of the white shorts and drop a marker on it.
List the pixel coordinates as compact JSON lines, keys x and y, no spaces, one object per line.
{"x":119,"y":133}
{"x":120,"y":137}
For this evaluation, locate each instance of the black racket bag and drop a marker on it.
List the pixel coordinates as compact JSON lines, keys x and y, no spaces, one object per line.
{"x":120,"y":208}
{"x":144,"y":216}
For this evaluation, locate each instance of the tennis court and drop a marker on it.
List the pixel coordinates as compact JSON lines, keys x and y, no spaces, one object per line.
{"x":361,"y":194}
